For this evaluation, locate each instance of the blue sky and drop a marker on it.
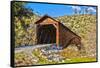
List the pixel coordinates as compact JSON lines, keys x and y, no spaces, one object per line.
{"x":55,"y":10}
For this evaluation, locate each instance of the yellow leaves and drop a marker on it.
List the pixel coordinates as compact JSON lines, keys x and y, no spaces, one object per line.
{"x":30,"y":31}
{"x":21,"y":26}
{"x":27,"y":21}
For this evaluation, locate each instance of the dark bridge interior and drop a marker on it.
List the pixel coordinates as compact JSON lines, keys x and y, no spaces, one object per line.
{"x":46,"y":34}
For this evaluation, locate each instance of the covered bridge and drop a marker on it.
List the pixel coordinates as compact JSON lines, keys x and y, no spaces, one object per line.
{"x":49,"y":31}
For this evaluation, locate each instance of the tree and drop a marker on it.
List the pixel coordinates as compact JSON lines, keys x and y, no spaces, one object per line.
{"x":76,"y":9}
{"x":20,"y":10}
{"x":21,"y":17}
{"x":89,"y":10}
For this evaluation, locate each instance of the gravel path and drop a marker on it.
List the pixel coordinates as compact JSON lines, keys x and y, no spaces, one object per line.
{"x":30,"y":48}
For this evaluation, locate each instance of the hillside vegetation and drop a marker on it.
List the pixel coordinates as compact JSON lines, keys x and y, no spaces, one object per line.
{"x":25,"y":31}
{"x":23,"y":19}
{"x":82,"y":25}
{"x":85,"y":27}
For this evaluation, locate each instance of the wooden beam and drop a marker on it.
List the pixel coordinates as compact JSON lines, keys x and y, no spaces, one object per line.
{"x":57,"y":35}
{"x":46,"y":23}
{"x":55,"y":26}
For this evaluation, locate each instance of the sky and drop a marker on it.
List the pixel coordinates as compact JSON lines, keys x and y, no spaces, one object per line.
{"x":55,"y":10}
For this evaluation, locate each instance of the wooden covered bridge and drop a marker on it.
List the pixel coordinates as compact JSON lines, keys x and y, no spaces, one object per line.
{"x":48,"y":30}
